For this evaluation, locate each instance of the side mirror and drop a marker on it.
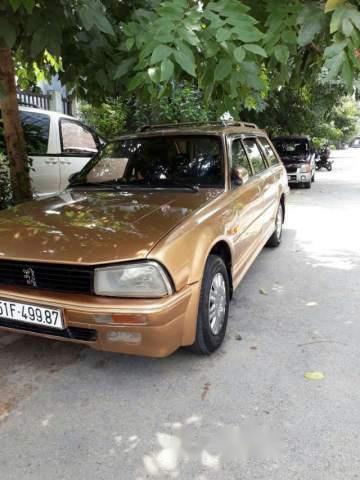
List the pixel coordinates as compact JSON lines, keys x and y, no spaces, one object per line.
{"x":239,"y":176}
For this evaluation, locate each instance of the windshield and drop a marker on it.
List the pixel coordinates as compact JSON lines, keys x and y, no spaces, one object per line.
{"x":168,"y":161}
{"x":291,"y":146}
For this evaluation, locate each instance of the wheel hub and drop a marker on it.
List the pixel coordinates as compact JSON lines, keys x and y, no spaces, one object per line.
{"x":217,"y":303}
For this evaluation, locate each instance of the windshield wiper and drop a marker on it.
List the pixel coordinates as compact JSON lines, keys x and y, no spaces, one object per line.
{"x":176,"y":183}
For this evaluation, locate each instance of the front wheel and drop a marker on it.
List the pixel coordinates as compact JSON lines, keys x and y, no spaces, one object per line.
{"x":275,"y":238}
{"x":329,"y":166}
{"x":213,"y":307}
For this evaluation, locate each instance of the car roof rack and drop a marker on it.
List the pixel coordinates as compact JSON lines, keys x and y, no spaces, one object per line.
{"x":223,"y":124}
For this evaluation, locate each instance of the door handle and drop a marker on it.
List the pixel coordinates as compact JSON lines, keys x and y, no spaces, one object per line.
{"x":64,"y":162}
{"x":49,"y":162}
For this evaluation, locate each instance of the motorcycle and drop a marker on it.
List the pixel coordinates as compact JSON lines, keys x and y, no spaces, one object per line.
{"x":323,"y":159}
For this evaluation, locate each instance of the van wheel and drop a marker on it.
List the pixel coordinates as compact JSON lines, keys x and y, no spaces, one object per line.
{"x":313,"y":177}
{"x":275,"y":239}
{"x":307,"y":184}
{"x":213,"y":307}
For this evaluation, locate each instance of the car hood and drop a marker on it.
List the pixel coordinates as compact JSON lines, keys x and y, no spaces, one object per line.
{"x":95,"y":227}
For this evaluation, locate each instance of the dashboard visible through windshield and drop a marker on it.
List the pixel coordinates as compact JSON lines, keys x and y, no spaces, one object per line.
{"x":158,"y":161}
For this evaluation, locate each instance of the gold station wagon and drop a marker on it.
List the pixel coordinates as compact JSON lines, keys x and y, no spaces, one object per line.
{"x":142,"y":252}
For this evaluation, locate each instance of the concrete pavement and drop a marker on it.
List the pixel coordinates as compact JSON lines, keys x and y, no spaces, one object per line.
{"x":247,"y":412}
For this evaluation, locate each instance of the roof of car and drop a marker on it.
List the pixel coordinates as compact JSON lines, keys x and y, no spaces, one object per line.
{"x":291,"y":137}
{"x":196,"y":128}
{"x":47,"y":112}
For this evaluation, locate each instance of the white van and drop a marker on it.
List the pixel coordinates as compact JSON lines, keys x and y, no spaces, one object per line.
{"x":58,"y":145}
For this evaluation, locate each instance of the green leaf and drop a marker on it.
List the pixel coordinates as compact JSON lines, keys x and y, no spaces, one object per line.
{"x":223,"y":34}
{"x":347,"y":27}
{"x":166,"y":70}
{"x":252,"y":47}
{"x":136,"y":81}
{"x":289,"y":36}
{"x":189,"y":36}
{"x":124,"y":68}
{"x":29,"y":5}
{"x":335,"y":48}
{"x":336,"y":19}
{"x":86,"y":18}
{"x":153,"y":73}
{"x":7,"y":32}
{"x":37,"y":43}
{"x":247,"y":33}
{"x":103,"y":24}
{"x":311,"y":20}
{"x":223,"y":69}
{"x":334,"y":64}
{"x":160,"y":53}
{"x":15,"y":4}
{"x":185,"y":62}
{"x":239,"y":54}
{"x":281,"y":53}
{"x":347,"y":73}
{"x":332,"y":4}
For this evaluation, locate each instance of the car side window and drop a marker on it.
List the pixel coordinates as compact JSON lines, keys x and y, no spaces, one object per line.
{"x":36,"y":128}
{"x":255,"y":156}
{"x":76,"y":138}
{"x":269,"y":151}
{"x":239,"y":157}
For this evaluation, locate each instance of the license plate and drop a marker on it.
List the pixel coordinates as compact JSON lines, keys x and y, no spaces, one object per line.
{"x":33,"y":314}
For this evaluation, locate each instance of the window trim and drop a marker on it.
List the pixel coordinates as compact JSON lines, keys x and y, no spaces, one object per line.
{"x":85,"y":127}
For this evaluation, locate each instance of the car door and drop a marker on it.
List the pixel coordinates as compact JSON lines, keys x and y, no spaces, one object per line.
{"x":245,"y":201}
{"x":271,"y":180}
{"x":260,"y":169}
{"x":38,"y":132}
{"x":78,"y":145}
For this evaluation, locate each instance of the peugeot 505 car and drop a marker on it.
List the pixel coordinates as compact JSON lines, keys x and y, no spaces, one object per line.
{"x":298,"y":155}
{"x":143,"y":250}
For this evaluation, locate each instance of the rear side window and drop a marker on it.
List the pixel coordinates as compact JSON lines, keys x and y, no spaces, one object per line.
{"x":239,"y":157}
{"x":255,"y":156}
{"x":269,"y":152}
{"x":36,"y":128}
{"x":76,"y":138}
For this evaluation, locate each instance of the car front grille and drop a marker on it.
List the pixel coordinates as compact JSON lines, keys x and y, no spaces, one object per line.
{"x":291,"y":168}
{"x":60,"y":278}
{"x":292,"y":178}
{"x":74,"y":333}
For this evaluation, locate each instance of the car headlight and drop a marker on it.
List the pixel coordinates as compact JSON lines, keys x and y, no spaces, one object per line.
{"x":142,"y":280}
{"x":305,"y":168}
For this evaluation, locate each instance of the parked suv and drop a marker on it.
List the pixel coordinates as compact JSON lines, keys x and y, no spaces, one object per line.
{"x":141,"y":254}
{"x":298,"y":155}
{"x":58,"y":146}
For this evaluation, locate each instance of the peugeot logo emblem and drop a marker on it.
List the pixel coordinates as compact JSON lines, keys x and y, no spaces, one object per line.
{"x":29,"y":276}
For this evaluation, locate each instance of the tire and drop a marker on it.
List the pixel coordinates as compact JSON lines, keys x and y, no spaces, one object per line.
{"x":307,"y":184}
{"x":313,"y":178}
{"x":210,"y":333}
{"x":275,"y":239}
{"x":329,"y":167}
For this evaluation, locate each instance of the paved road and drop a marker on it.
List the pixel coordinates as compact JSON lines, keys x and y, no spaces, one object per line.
{"x":247,"y":412}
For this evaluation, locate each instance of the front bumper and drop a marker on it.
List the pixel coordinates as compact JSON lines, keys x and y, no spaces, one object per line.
{"x":297,"y":177}
{"x":153,"y":328}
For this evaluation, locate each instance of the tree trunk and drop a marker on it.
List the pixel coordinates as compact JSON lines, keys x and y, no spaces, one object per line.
{"x":13,"y":132}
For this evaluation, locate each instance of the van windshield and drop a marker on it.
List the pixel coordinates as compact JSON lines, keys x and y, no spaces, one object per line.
{"x":166,"y":161}
{"x":291,"y":146}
